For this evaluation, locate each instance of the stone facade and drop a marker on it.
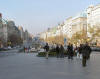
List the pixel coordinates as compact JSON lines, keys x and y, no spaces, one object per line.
{"x":8,"y":28}
{"x":3,"y":31}
{"x":93,"y":20}
{"x":12,"y":29}
{"x":93,"y":15}
{"x":68,"y":27}
{"x":21,"y":32}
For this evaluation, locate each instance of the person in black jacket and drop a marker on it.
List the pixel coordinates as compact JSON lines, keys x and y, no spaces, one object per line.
{"x":57,"y":51}
{"x":80,"y":51}
{"x":70,"y":51}
{"x":84,"y":55}
{"x":86,"y":50}
{"x":47,"y":49}
{"x":61,"y":51}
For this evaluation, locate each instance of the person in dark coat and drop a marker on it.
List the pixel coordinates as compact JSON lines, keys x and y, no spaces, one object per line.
{"x":47,"y":49}
{"x":80,"y":51}
{"x":24,"y":49}
{"x":57,"y":51}
{"x":85,"y":53}
{"x":61,"y":51}
{"x":70,"y":51}
{"x":88,"y":51}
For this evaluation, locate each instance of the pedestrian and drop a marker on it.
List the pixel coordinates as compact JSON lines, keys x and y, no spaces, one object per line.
{"x":61,"y":51}
{"x":24,"y":49}
{"x":47,"y":50}
{"x":57,"y":51}
{"x":70,"y":51}
{"x":29,"y":49}
{"x":85,"y":54}
{"x":76,"y":50}
{"x":80,"y":52}
{"x":88,"y":51}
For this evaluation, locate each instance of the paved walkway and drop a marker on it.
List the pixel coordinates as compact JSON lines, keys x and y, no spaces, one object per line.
{"x":28,"y":66}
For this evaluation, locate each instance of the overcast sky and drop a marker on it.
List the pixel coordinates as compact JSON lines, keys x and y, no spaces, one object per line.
{"x":38,"y":15}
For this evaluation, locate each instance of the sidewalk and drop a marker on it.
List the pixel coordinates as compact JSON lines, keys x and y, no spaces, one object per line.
{"x":28,"y":66}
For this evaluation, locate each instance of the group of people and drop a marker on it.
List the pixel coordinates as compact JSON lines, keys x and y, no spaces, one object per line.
{"x":60,"y":51}
{"x":82,"y":51}
{"x":26,"y":49}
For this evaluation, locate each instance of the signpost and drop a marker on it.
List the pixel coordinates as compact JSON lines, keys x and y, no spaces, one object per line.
{"x":65,"y":43}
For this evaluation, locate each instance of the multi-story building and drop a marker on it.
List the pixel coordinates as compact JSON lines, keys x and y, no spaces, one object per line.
{"x":59,"y":30}
{"x":21,"y":32}
{"x":27,"y":41}
{"x":93,"y":19}
{"x":3,"y":31}
{"x":79,"y":23}
{"x":43,"y":35}
{"x":93,"y":15}
{"x":12,"y":29}
{"x":1,"y":26}
{"x":75,"y":24}
{"x":67,"y":28}
{"x":26,"y":35}
{"x":8,"y":29}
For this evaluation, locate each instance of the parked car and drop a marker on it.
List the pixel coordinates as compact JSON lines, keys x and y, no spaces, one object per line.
{"x":41,"y":50}
{"x":9,"y":48}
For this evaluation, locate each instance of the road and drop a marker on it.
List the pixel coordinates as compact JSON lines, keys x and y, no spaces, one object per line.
{"x":28,"y":66}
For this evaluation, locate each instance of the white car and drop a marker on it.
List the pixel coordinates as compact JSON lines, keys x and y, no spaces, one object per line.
{"x":9,"y":47}
{"x":41,"y":50}
{"x":33,"y":50}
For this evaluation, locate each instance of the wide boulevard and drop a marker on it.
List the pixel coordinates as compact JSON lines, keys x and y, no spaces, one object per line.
{"x":15,"y":65}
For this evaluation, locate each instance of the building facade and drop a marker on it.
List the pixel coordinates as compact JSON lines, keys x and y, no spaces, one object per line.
{"x":93,"y":15}
{"x":79,"y":23}
{"x":67,"y":28}
{"x":93,"y":20}
{"x":3,"y":31}
{"x":21,"y":32}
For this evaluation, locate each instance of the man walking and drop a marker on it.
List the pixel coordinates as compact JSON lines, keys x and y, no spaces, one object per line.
{"x":61,"y":51}
{"x":85,"y":53}
{"x":57,"y":51}
{"x":47,"y":50}
{"x":70,"y":51}
{"x":88,"y":50}
{"x":80,"y":51}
